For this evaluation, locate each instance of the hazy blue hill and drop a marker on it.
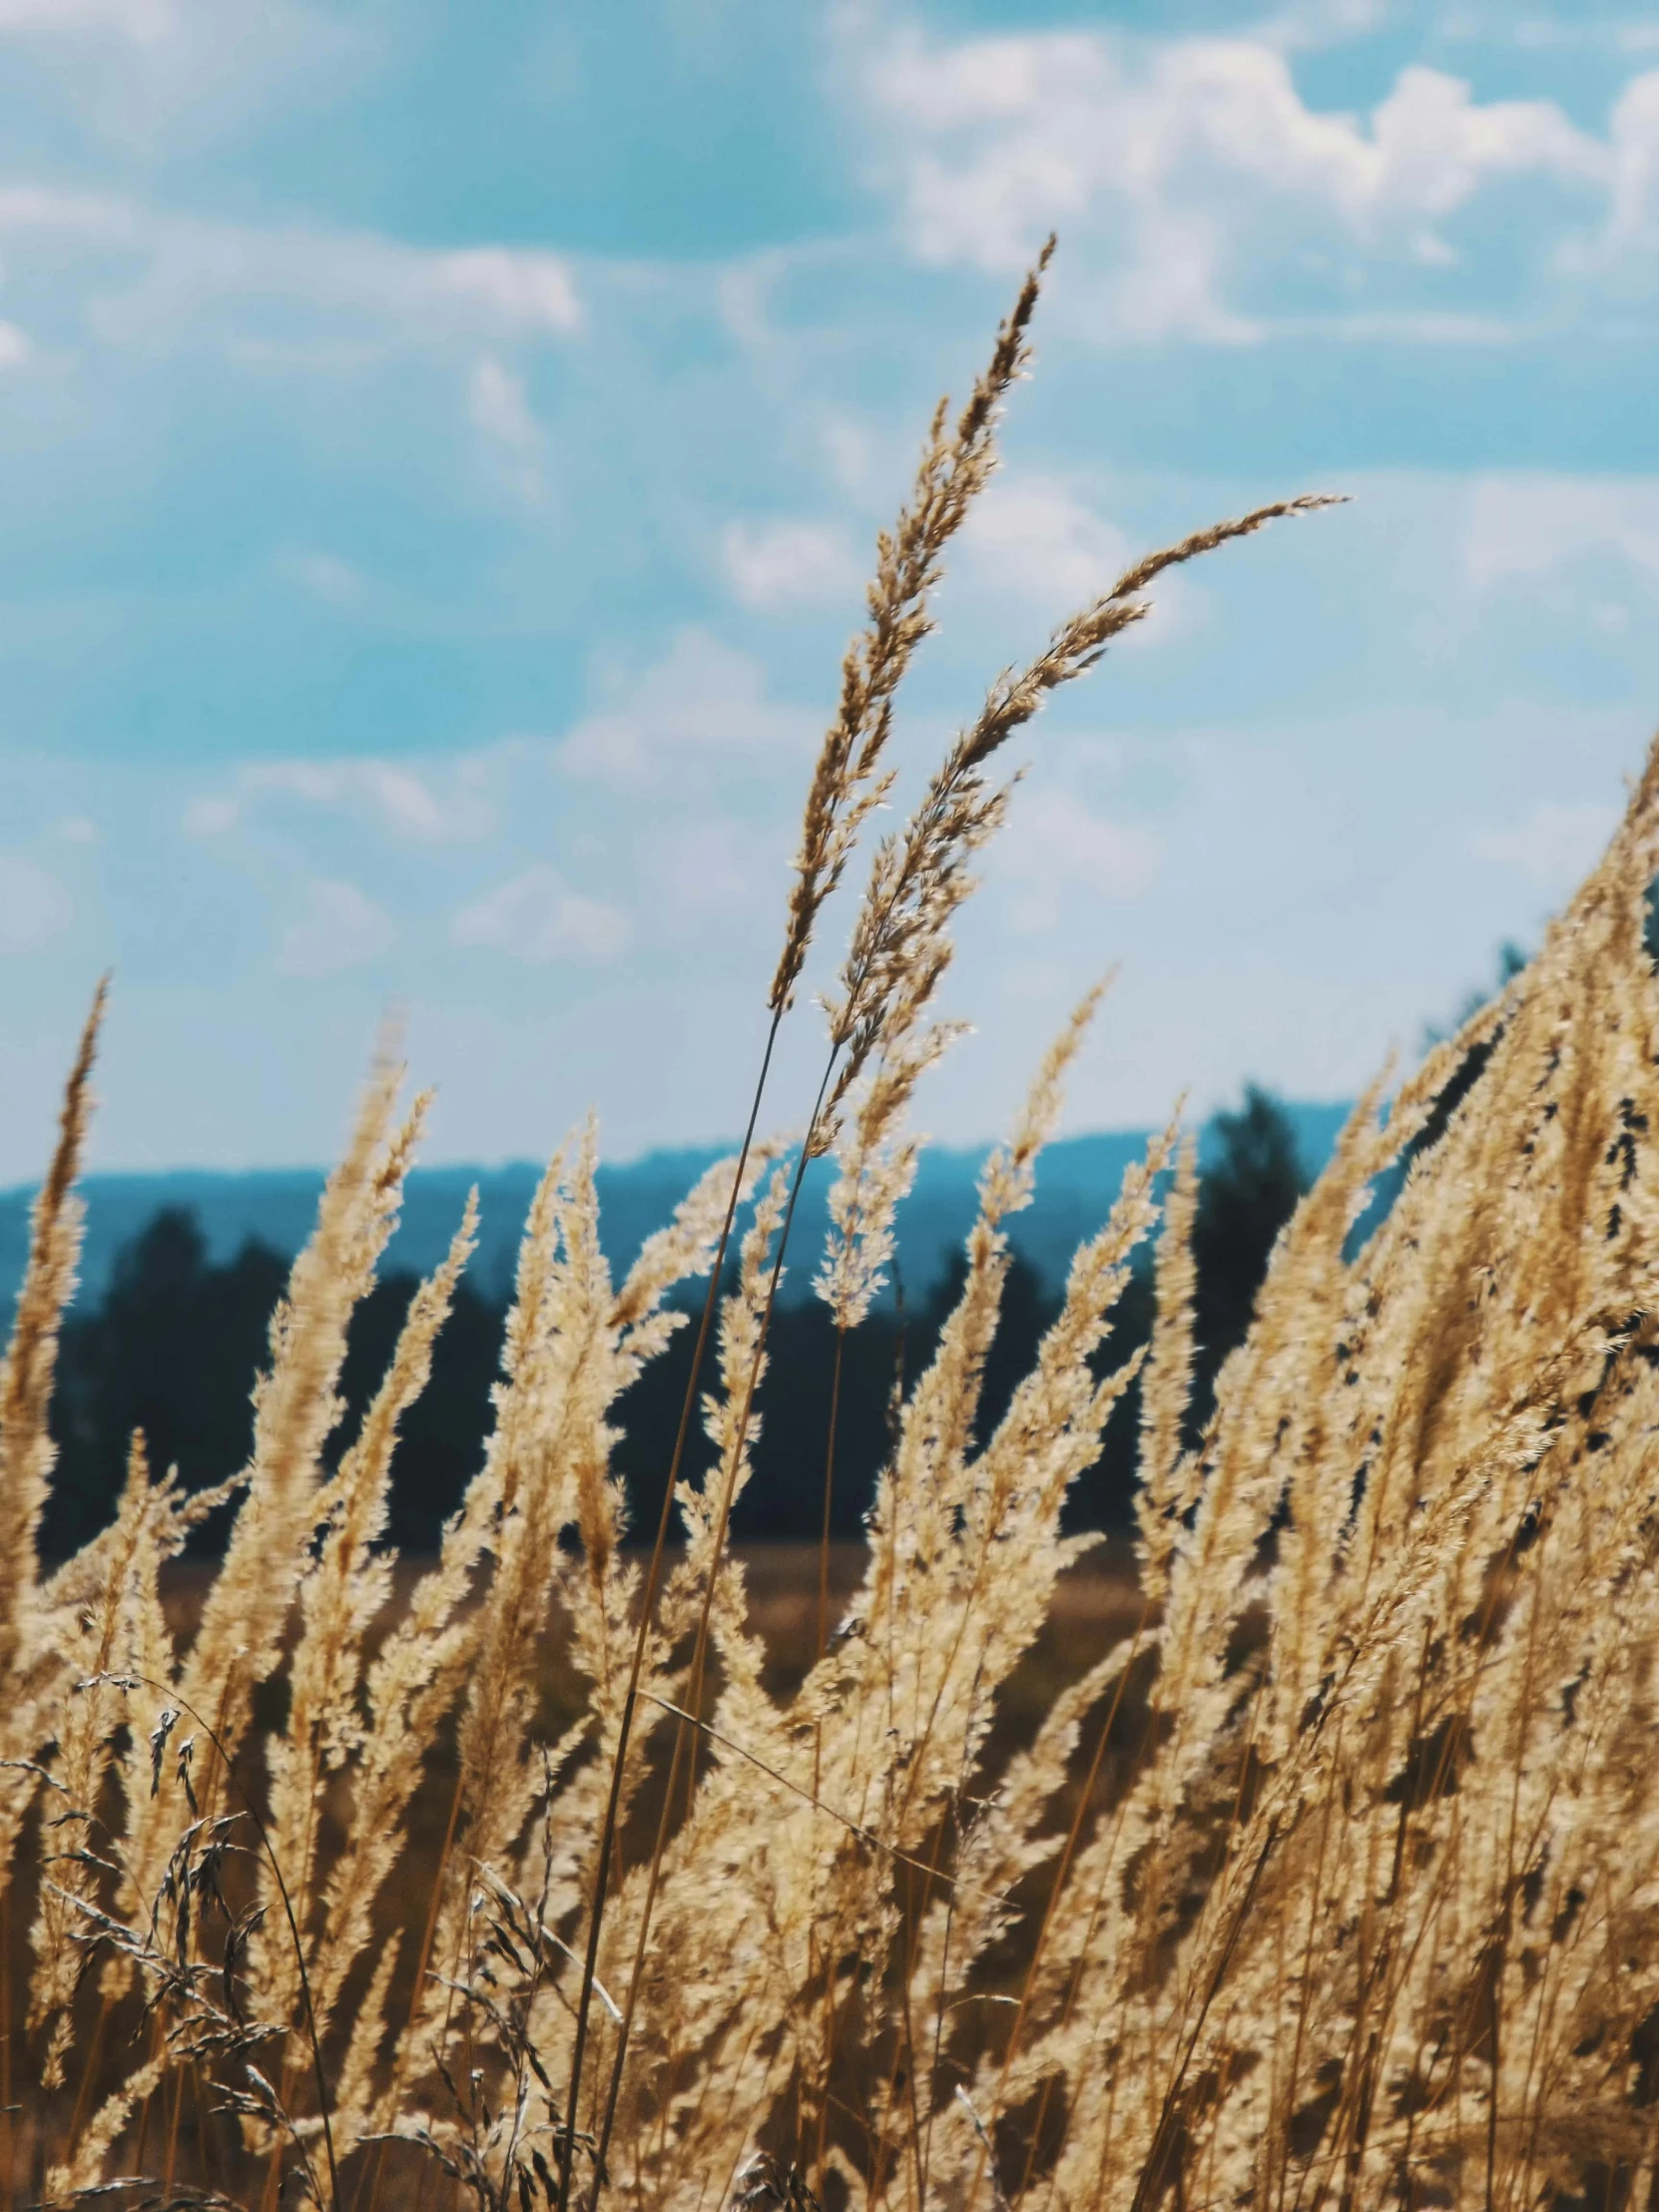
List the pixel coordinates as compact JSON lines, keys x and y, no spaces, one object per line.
{"x":1076,"y":1183}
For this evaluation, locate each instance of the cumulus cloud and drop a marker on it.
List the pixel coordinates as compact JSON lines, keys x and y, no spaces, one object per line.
{"x":536,"y":918}
{"x":526,"y":289}
{"x":498,"y":408}
{"x":1552,"y":844}
{"x":211,"y":815}
{"x":338,"y":927}
{"x":171,"y":78}
{"x":397,"y":798}
{"x":140,"y":21}
{"x":1634,"y":227}
{"x":156,"y":280}
{"x":34,"y":906}
{"x":701,"y":708}
{"x":391,"y":794}
{"x":1316,"y":23}
{"x":1034,"y":536}
{"x":1037,"y":539}
{"x":789,"y":564}
{"x":1540,"y":523}
{"x":1188,"y":165}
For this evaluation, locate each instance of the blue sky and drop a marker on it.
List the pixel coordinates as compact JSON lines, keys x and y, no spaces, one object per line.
{"x":440,"y":450}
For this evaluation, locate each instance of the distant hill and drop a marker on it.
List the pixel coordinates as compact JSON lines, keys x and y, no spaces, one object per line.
{"x":1077,"y":1180}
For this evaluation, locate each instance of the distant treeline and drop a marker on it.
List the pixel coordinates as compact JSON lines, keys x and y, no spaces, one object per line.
{"x":174,"y":1347}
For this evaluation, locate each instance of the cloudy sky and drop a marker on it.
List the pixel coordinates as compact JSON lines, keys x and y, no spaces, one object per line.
{"x":441,"y":448}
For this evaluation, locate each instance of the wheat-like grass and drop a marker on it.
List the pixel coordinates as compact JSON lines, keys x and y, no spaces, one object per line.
{"x":1332,"y":1881}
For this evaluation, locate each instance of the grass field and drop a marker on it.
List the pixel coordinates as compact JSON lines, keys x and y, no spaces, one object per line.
{"x":1095,"y":1603}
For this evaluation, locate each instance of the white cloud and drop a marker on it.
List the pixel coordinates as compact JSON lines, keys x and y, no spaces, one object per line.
{"x":1192,"y":169}
{"x":170,"y":78}
{"x":388,"y":794}
{"x":155,"y":280}
{"x":1034,"y":539}
{"x":1433,"y":252}
{"x":526,"y":289}
{"x":693,"y":866}
{"x":498,"y":408}
{"x":77,"y":830}
{"x":852,"y":451}
{"x":1551,"y":846}
{"x":1536,"y":524}
{"x":15,"y":346}
{"x":140,"y":21}
{"x":1316,"y":23}
{"x":34,"y":906}
{"x":409,"y":807}
{"x":1433,"y":148}
{"x":397,"y":799}
{"x":1056,"y":843}
{"x":1634,"y":228}
{"x":789,"y":564}
{"x":537,"y":919}
{"x":1034,"y":536}
{"x":703,"y":707}
{"x":211,"y":815}
{"x":338,"y":927}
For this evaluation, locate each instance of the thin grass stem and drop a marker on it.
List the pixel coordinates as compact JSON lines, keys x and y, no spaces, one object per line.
{"x":648,"y":1606}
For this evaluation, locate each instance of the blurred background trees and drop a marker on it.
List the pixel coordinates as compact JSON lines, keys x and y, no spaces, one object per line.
{"x":173,"y":1346}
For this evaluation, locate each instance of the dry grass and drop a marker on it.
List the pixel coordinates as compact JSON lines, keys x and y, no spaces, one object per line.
{"x":1314,"y":1865}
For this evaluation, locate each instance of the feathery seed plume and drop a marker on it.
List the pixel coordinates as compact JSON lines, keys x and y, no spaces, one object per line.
{"x":955,"y":467}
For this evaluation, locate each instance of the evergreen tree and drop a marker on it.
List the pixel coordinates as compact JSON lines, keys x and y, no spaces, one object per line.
{"x":1244,"y":1198}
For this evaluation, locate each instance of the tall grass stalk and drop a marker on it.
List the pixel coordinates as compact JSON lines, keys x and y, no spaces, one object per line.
{"x":846,"y":786}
